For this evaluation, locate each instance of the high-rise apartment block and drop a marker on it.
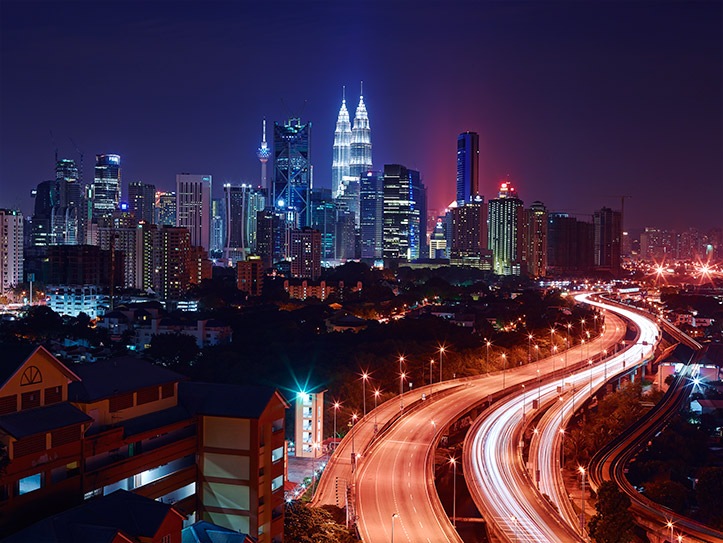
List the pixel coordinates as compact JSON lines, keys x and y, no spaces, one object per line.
{"x":469,"y":235}
{"x":165,"y":208}
{"x":534,"y":240}
{"x":306,"y":253}
{"x":11,"y":249}
{"x":569,"y":244}
{"x":106,"y":188}
{"x":607,"y":247}
{"x":250,"y":275}
{"x":142,"y":201}
{"x":292,"y":169}
{"x":241,"y":206}
{"x":467,"y":167}
{"x":193,"y":207}
{"x":505,"y":214}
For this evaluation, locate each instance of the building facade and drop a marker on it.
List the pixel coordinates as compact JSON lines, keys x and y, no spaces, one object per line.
{"x":404,"y":215}
{"x":607,"y":244}
{"x":467,"y":167}
{"x":505,"y":213}
{"x":193,"y":207}
{"x":292,"y":169}
{"x":142,"y":201}
{"x":534,"y":239}
{"x":341,"y":150}
{"x":306,"y":253}
{"x":11,"y":249}
{"x":106,"y":188}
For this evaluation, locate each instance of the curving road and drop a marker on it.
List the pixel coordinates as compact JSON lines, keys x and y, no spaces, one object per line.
{"x":396,"y":475}
{"x":496,"y":477}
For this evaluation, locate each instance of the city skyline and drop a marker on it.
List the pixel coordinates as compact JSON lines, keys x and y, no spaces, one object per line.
{"x":633,"y":93}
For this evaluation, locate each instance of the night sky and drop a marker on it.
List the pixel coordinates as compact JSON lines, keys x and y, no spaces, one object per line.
{"x":577,"y":102}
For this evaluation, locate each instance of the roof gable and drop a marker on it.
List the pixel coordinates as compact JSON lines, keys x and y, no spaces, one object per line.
{"x":15,"y":359}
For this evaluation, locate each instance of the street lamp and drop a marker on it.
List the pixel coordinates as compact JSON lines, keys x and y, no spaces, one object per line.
{"x":537,"y":354}
{"x":337,"y":405}
{"x":562,"y":431}
{"x":314,"y":449}
{"x":441,"y":352}
{"x":394,"y":516}
{"x":453,"y":461}
{"x":514,"y":521}
{"x":431,"y":361}
{"x":365,"y":376}
{"x":488,"y":355}
{"x":529,"y":349}
{"x":670,"y":526}
{"x":401,"y":378}
{"x":582,"y":500}
{"x":353,"y":454}
{"x":567,"y":348}
{"x":552,"y":333}
{"x":376,"y":397}
{"x":504,"y":371}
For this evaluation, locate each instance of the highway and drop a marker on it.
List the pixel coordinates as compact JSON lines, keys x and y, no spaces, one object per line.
{"x":496,"y":477}
{"x":609,"y":464}
{"x":396,"y":475}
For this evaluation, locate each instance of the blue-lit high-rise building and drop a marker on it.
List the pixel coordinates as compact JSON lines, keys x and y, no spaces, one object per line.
{"x":106,"y":186}
{"x":371,"y":207}
{"x":361,"y":141}
{"x":467,"y":167}
{"x":404,"y":214}
{"x":292,"y":169}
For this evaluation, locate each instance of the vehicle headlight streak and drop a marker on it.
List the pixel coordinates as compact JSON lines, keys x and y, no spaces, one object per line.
{"x":493,"y":463}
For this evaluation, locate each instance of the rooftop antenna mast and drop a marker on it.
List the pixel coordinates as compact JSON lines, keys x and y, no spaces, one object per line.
{"x":55,"y":144}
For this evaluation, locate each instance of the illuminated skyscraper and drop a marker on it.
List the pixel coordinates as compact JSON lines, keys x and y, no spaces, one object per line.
{"x":292,"y":169}
{"x":306,"y":253}
{"x":342,"y":149}
{"x":142,"y":201}
{"x":165,"y":208}
{"x":504,"y":231}
{"x":361,"y":141}
{"x":106,"y":186}
{"x":469,"y":235}
{"x":467,"y":167}
{"x":534,"y":239}
{"x":404,"y":214}
{"x":263,"y":153}
{"x":371,"y":206}
{"x":242,"y":203}
{"x":11,"y":249}
{"x":607,"y":229}
{"x":193,"y":207}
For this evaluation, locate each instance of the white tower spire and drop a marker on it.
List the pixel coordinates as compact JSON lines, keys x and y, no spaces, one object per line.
{"x":342,"y":149}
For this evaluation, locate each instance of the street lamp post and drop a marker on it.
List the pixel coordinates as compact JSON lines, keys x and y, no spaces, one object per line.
{"x":453,"y":461}
{"x":488,"y":356}
{"x":582,"y":330}
{"x":552,"y":333}
{"x":401,"y":388}
{"x":582,"y":500}
{"x":337,"y":405}
{"x":441,"y":352}
{"x":529,"y":348}
{"x":504,"y":371}
{"x":431,"y":361}
{"x":537,"y":354}
{"x":365,"y":376}
{"x":394,"y":516}
{"x":376,"y":397}
{"x":670,"y":526}
{"x":567,"y":345}
{"x":514,"y":522}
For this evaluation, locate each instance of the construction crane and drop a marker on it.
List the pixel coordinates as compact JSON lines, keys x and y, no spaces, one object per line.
{"x":80,"y":169}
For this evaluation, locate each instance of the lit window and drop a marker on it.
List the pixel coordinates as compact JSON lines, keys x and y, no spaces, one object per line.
{"x":277,"y":454}
{"x":277,"y":483}
{"x":29,"y":484}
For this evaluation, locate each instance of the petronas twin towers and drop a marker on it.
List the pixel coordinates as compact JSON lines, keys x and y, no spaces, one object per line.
{"x":352,"y":145}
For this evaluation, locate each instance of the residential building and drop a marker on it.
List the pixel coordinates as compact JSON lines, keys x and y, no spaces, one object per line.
{"x":569,"y":244}
{"x":301,"y":289}
{"x":534,"y":240}
{"x":142,"y":201}
{"x":213,"y":451}
{"x":250,"y":275}
{"x":218,"y":226}
{"x":607,"y":244}
{"x":469,"y":235}
{"x":165,"y":208}
{"x":306,"y":253}
{"x":505,"y":213}
{"x":72,"y":300}
{"x":123,"y":240}
{"x":193,"y":207}
{"x":11,"y":249}
{"x":83,"y":265}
